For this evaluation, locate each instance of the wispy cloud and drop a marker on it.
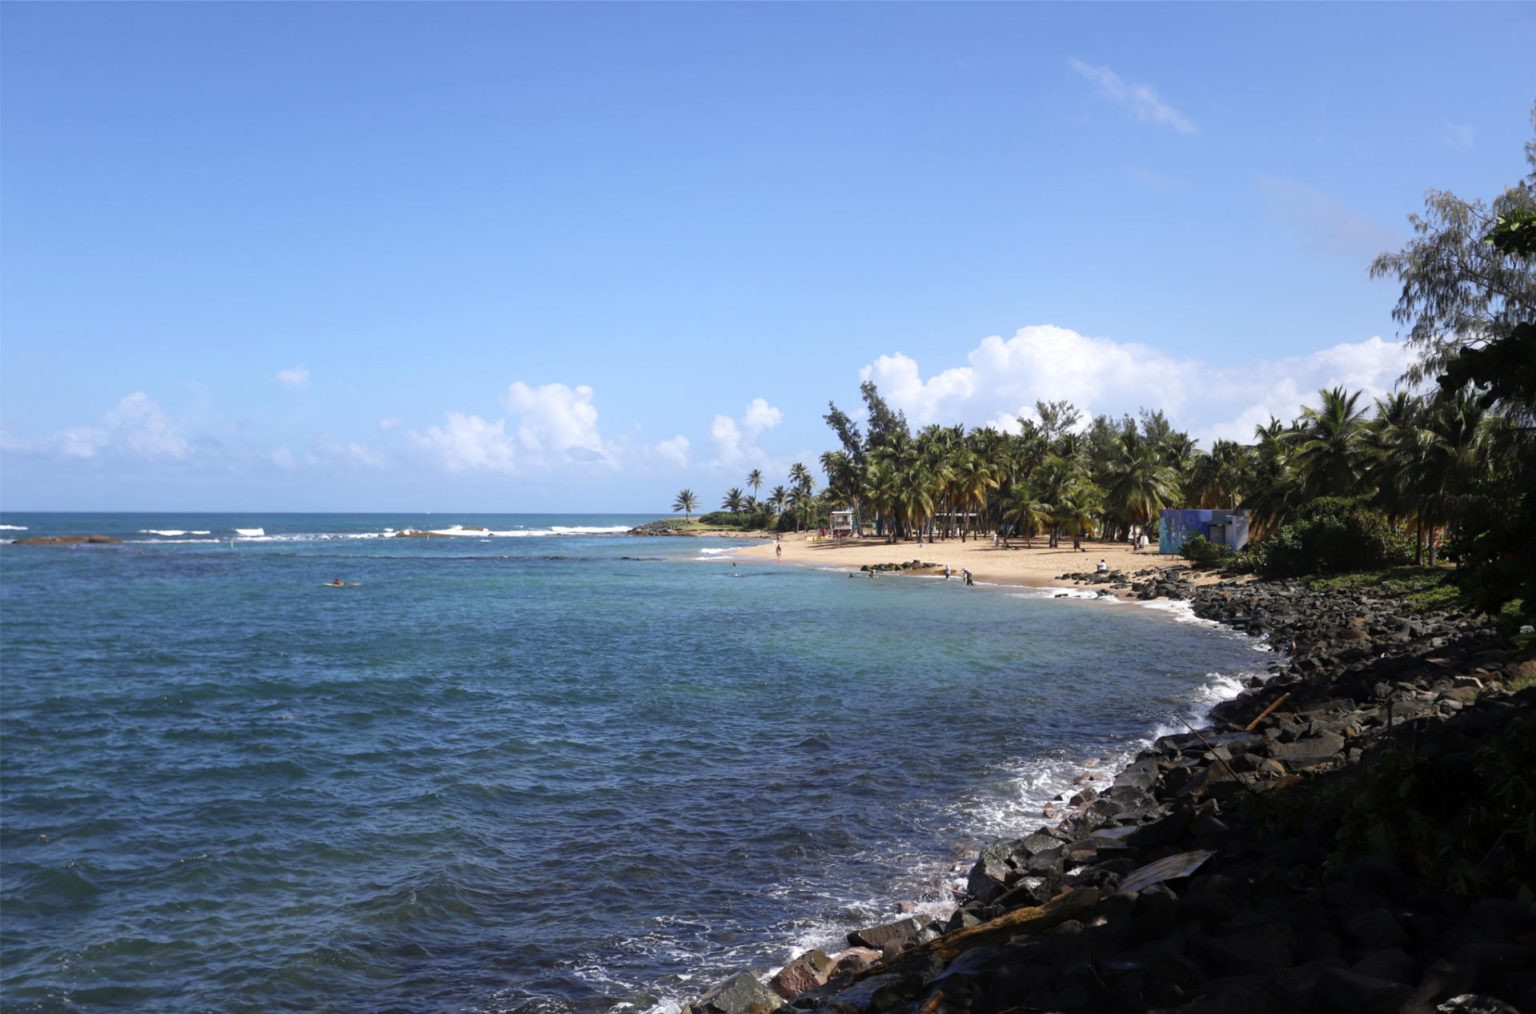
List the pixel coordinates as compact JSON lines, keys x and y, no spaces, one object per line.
{"x":294,"y":376}
{"x":1141,"y":100}
{"x":1327,"y":224}
{"x":1457,"y":135}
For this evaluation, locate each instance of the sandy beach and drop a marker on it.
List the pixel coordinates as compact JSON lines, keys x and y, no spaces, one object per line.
{"x":1034,"y":567}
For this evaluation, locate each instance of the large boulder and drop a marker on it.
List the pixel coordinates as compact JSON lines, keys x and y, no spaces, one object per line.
{"x":803,"y":974}
{"x":900,"y":933}
{"x":740,"y":994}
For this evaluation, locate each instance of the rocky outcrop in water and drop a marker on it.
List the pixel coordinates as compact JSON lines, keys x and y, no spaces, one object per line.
{"x":65,"y":540}
{"x":1269,"y":863}
{"x":664,"y":526}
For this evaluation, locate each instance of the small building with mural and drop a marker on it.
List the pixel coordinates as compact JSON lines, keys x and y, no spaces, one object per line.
{"x":1224,"y":527}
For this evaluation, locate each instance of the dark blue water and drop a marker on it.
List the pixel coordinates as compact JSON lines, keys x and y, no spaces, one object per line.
{"x":543,"y":767}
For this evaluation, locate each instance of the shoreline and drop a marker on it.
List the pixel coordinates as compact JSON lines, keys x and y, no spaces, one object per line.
{"x":1172,"y":845}
{"x":1015,"y":566}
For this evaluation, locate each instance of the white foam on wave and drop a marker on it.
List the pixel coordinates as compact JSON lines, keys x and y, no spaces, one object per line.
{"x":715,"y":554}
{"x":1181,"y":610}
{"x":526,"y":533}
{"x":174,"y":533}
{"x":248,"y":533}
{"x":1057,"y":592}
{"x":13,"y":528}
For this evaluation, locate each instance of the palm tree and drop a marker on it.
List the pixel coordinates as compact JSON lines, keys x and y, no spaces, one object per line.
{"x":1276,"y":490}
{"x":1140,"y":484}
{"x":972,"y":478}
{"x":1219,"y":478}
{"x":1026,"y":514}
{"x":800,"y":477}
{"x":1073,"y":514}
{"x":734,"y":501}
{"x":686,"y":502}
{"x":778,"y":498}
{"x":755,"y":480}
{"x":1455,"y":459}
{"x":882,"y":492}
{"x":1330,"y":445}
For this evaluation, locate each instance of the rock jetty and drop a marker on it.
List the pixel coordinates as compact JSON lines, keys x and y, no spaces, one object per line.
{"x":1283,"y":859}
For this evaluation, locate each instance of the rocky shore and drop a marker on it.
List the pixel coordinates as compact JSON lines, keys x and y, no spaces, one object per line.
{"x":1353,"y":833}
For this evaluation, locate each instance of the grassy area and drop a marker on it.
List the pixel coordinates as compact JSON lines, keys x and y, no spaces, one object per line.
{"x":1419,"y":587}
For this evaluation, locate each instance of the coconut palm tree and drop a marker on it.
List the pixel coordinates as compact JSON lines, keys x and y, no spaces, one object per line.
{"x":972,"y":478}
{"x":686,"y":502}
{"x":1140,"y":484}
{"x":1329,"y":446}
{"x":1455,"y":459}
{"x":734,"y":501}
{"x":1074,"y":513}
{"x":778,"y":499}
{"x":755,"y":480}
{"x":1219,"y":478}
{"x":1276,"y":490}
{"x":1026,"y":514}
{"x":800,"y":477}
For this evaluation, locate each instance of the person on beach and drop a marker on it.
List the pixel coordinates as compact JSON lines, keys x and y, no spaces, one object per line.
{"x":946,"y":572}
{"x":967,"y":576}
{"x":1103,"y":568}
{"x":778,"y":550}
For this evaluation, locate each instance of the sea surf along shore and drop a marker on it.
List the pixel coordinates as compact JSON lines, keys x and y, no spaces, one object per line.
{"x":533,"y":764}
{"x":1352,"y":833}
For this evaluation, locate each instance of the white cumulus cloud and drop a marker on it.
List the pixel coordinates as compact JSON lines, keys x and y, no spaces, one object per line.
{"x":1143,"y":102}
{"x":135,"y":427}
{"x":467,"y":443}
{"x":557,"y":422}
{"x":736,"y":439}
{"x":674,"y":451}
{"x":1003,"y":378}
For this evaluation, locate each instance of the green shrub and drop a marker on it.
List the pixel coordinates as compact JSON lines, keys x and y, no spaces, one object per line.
{"x":1202,"y":552}
{"x":1330,"y":535}
{"x":723,"y":519}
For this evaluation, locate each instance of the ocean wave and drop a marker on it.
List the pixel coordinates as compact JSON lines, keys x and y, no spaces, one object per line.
{"x":1061,"y":592}
{"x":525,"y":533}
{"x":1181,"y":610}
{"x":173,"y":533}
{"x":715,"y":554}
{"x":250,"y":532}
{"x":13,"y":528}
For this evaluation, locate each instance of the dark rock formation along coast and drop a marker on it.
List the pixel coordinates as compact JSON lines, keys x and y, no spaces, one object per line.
{"x":1325,"y":846}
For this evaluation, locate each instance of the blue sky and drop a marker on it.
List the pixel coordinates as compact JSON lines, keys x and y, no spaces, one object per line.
{"x":524,"y":257}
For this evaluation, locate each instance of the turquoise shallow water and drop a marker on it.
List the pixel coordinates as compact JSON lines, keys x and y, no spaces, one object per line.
{"x":543,"y":767}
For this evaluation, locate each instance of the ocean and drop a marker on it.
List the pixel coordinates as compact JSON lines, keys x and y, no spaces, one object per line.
{"x":533,"y":765}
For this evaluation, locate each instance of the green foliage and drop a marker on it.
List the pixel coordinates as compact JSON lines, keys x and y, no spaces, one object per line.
{"x":1423,"y":588}
{"x":1329,"y":535}
{"x":749,"y":520}
{"x":1202,"y":552}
